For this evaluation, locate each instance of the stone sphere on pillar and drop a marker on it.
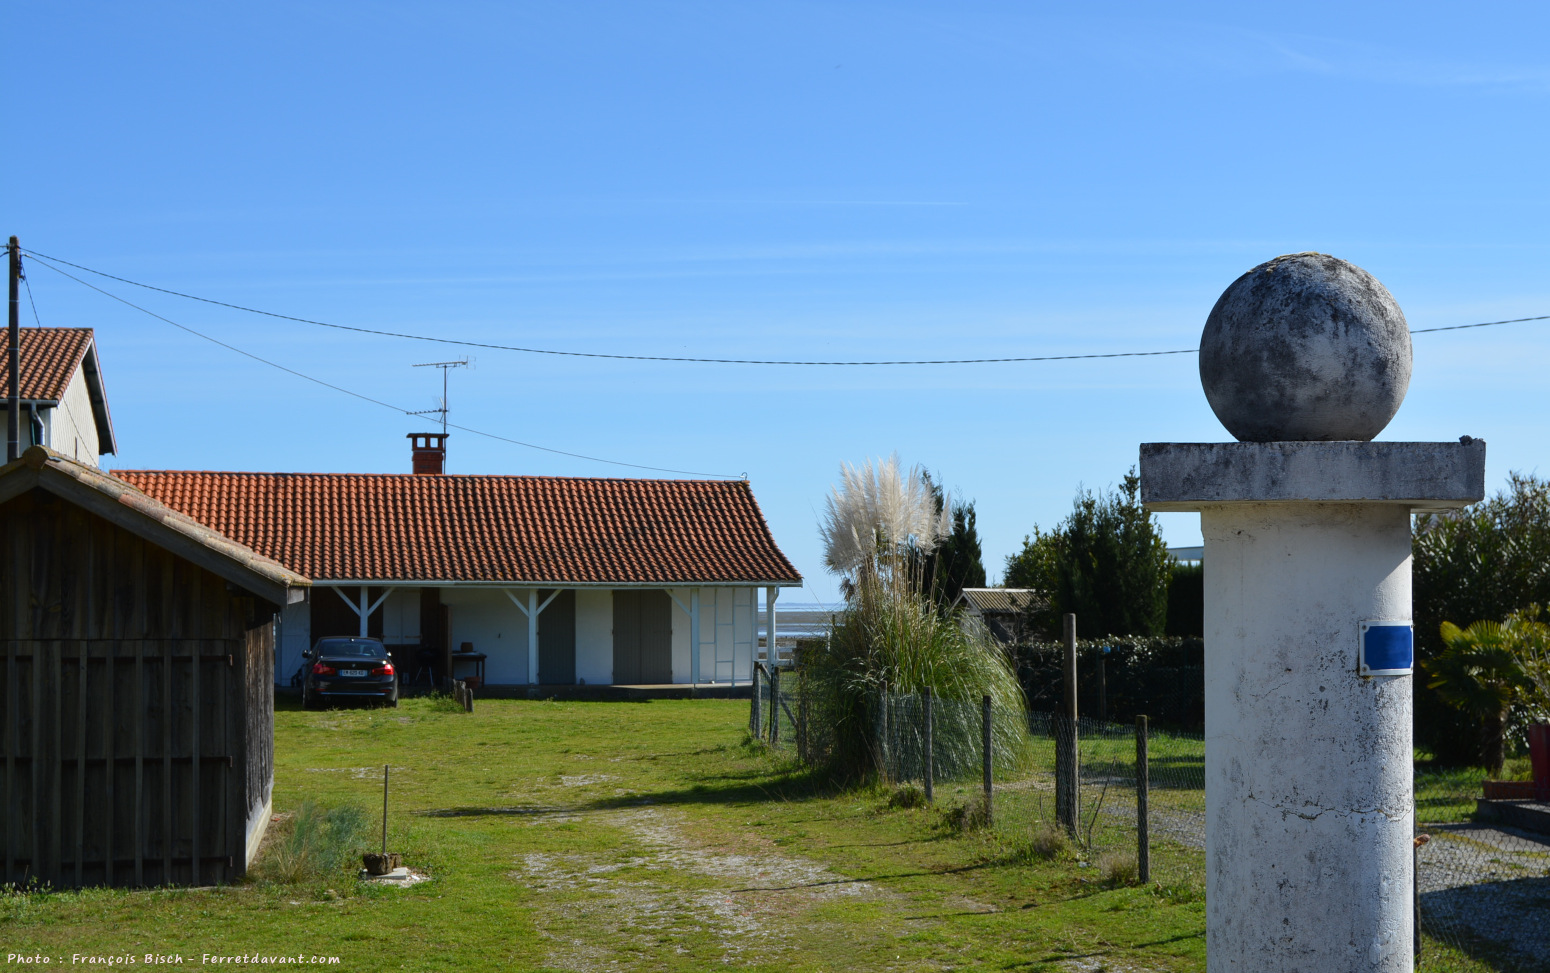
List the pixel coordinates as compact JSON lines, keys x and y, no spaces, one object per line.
{"x":1305,"y":347}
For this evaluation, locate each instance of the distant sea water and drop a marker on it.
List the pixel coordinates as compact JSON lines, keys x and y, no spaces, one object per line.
{"x":801,"y":619}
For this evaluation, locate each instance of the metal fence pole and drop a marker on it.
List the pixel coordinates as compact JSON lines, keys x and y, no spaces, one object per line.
{"x":1103,"y":689}
{"x":753,"y":707}
{"x":1143,"y":784}
{"x":774,"y":703}
{"x":985,"y":707}
{"x":1067,"y":773}
{"x":929,"y":767}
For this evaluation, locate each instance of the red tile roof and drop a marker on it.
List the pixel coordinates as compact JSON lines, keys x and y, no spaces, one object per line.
{"x":517,"y":529}
{"x":49,"y":357}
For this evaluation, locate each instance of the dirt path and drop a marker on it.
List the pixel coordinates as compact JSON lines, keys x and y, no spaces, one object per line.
{"x":747,"y":901}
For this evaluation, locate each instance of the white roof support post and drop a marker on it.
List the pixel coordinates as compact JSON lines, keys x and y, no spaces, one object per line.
{"x":362,"y":610}
{"x":770,"y":594}
{"x":532,"y":610}
{"x":532,"y":636}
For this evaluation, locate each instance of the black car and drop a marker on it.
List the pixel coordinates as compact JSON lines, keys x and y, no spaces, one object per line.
{"x":343,"y":668}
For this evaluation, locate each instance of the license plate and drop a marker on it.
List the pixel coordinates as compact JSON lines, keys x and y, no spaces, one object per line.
{"x":352,"y":672}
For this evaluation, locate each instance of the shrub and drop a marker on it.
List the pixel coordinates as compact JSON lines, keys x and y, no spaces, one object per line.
{"x":864,"y":687}
{"x":316,"y":844}
{"x":1119,"y":869}
{"x":880,"y":525}
{"x":1486,"y":562}
{"x":1048,"y":842}
{"x":907,"y":796}
{"x":1106,"y":562}
{"x":967,"y":815}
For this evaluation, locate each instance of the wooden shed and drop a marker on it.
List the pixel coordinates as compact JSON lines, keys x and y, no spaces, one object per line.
{"x":136,"y":687}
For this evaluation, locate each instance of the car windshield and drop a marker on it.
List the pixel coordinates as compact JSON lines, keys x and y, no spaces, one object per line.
{"x":360,"y":648}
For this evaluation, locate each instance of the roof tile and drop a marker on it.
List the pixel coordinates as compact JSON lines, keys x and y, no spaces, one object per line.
{"x":518,"y":529}
{"x":49,"y":357}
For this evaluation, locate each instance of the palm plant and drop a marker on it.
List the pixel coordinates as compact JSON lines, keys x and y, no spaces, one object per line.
{"x":1481,"y":673}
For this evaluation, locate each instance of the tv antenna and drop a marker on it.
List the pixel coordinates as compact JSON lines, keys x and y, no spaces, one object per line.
{"x":441,"y":403}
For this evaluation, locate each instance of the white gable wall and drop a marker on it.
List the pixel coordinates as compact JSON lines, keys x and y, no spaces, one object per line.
{"x":72,"y":429}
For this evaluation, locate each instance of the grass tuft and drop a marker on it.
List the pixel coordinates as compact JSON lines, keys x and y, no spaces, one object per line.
{"x":907,"y":796}
{"x":1119,"y":869}
{"x":961,"y":817}
{"x":316,"y":844}
{"x":1047,"y":843}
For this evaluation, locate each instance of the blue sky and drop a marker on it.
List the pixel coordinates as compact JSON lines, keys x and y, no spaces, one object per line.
{"x":797,"y":180}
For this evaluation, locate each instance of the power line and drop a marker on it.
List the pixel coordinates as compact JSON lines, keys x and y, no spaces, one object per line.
{"x":668,"y":358}
{"x":704,"y":361}
{"x":598,"y":354}
{"x":358,"y":395}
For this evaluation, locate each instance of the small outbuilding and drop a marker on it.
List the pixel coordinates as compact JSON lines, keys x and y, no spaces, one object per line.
{"x":1007,"y":614}
{"x":136,"y":696}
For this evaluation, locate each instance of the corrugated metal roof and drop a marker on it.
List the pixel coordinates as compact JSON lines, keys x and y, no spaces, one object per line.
{"x":1004,"y":600}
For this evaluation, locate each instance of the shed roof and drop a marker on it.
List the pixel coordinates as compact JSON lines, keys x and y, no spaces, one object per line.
{"x":529,"y":530}
{"x":988,"y":601}
{"x":50,"y":357}
{"x":123,"y":504}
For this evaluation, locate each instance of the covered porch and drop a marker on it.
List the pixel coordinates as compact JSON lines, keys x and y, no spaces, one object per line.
{"x":513,"y":636}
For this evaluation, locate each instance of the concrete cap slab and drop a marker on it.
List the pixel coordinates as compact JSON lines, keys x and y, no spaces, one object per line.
{"x":1422,"y":476}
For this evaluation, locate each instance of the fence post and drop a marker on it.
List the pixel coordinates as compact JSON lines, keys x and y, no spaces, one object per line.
{"x":774,"y":703}
{"x":930,"y":769}
{"x":1067,"y":773}
{"x":802,"y":715}
{"x":985,"y":706}
{"x":884,"y":750}
{"x":1103,"y":689}
{"x":1143,"y":784}
{"x":754,"y":730}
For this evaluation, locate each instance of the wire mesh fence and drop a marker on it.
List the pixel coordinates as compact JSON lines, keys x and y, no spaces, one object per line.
{"x":1482,"y":886}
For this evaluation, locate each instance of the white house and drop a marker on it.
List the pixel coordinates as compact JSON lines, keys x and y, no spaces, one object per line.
{"x":555,"y":580}
{"x":63,"y":404}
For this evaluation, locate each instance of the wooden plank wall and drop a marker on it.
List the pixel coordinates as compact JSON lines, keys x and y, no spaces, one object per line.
{"x":137,"y":729}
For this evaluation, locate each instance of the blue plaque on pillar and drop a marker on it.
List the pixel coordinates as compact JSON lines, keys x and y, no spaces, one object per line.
{"x":1387,"y":649}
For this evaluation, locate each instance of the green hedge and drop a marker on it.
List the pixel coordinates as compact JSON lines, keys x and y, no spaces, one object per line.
{"x":1160,"y":676}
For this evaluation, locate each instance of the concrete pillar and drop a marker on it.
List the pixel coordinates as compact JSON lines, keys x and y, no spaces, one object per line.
{"x":1309,"y":801}
{"x":1310,"y":809}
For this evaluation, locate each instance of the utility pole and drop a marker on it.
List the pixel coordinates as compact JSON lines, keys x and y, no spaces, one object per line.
{"x":13,"y":405}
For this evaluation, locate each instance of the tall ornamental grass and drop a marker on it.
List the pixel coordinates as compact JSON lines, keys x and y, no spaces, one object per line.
{"x":892,"y":643}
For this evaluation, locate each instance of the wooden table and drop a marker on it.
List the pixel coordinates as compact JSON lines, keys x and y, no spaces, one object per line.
{"x":477,"y":658}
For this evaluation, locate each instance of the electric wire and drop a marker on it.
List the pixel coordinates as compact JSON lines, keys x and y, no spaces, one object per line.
{"x":705,"y":361}
{"x":32,"y":301}
{"x":367,"y":398}
{"x":597,"y":354}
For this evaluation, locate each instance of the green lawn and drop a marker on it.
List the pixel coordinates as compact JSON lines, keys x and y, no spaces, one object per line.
{"x":575,"y":836}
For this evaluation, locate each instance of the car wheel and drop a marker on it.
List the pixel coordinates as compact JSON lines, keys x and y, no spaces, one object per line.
{"x":307,"y":702}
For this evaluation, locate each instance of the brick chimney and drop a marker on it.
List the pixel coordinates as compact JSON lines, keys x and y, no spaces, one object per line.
{"x":430,"y":452}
